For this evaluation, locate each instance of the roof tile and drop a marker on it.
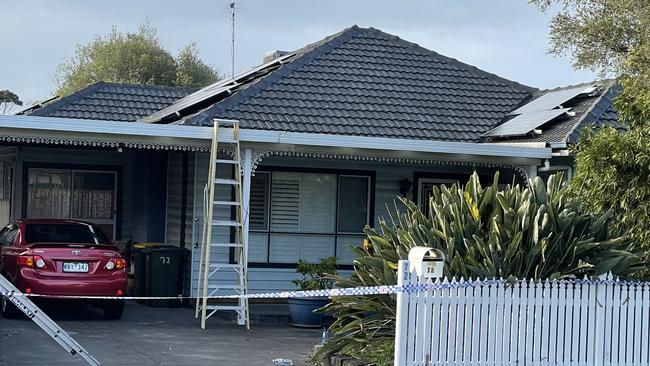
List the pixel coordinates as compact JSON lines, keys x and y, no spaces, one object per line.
{"x":112,"y":101}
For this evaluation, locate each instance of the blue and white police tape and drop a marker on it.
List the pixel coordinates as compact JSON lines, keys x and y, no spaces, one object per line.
{"x":353,"y":291}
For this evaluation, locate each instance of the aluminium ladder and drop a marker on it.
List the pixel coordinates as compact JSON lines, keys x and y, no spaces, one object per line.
{"x":33,"y":312}
{"x":224,"y":132}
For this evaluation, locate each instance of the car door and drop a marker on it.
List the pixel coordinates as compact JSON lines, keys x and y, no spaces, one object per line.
{"x":8,"y":250}
{"x":3,"y":234}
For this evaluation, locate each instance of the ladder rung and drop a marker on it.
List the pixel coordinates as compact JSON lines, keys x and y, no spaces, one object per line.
{"x":226,"y":265}
{"x":226,"y":307}
{"x":226,"y":223}
{"x":225,"y":287}
{"x":224,"y":161}
{"x":228,"y":245}
{"x":226,"y":181}
{"x":226,"y":203}
{"x":226,"y":140}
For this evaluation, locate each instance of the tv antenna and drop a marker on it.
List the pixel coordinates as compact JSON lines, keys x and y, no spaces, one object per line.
{"x":232,"y":9}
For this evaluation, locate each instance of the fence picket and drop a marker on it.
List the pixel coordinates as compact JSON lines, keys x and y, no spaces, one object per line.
{"x":420,"y":314}
{"x":518,"y":322}
{"x":471,"y":347}
{"x":644,"y":358}
{"x":435,"y":324}
{"x":573,"y":293}
{"x":553,"y":325}
{"x":629,"y":323}
{"x":507,"y":323}
{"x":444,"y":321}
{"x":427,"y":322}
{"x":563,"y":306}
{"x":611,"y":309}
{"x":452,"y":316}
{"x":401,"y":319}
{"x":485,"y":323}
{"x":637,"y":321}
{"x":584,"y":321}
{"x":462,"y":323}
{"x":602,"y":324}
{"x":492,"y":308}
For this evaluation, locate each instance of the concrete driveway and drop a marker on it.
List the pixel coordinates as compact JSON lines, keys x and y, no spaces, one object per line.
{"x":155,"y":336}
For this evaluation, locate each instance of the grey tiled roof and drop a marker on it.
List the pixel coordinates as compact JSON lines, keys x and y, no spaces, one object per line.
{"x":365,"y":82}
{"x":112,"y":101}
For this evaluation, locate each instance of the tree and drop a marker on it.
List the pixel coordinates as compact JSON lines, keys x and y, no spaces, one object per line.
{"x":612,"y":167}
{"x":8,"y":101}
{"x":136,"y":58}
{"x":191,"y":71}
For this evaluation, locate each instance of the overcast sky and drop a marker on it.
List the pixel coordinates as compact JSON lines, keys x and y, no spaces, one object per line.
{"x":506,"y":37}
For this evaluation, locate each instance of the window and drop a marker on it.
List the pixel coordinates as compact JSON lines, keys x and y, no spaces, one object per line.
{"x":259,"y":199}
{"x":73,"y":194}
{"x":425,"y":190}
{"x":63,"y":233}
{"x":296,"y":215}
{"x":353,"y":203}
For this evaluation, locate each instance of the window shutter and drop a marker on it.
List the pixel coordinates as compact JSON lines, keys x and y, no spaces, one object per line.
{"x":285,"y":205}
{"x":258,"y":201}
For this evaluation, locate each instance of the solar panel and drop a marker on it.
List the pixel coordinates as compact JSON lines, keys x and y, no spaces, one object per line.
{"x":552,"y":100}
{"x":525,"y":123}
{"x":209,"y":91}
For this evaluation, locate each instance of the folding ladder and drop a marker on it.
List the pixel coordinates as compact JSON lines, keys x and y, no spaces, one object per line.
{"x":42,"y":320}
{"x":224,"y":132}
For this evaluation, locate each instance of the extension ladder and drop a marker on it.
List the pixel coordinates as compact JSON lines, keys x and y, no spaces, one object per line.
{"x":224,"y":132}
{"x":42,"y":320}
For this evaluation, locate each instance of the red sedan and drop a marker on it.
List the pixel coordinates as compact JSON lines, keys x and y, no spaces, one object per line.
{"x":62,"y":258}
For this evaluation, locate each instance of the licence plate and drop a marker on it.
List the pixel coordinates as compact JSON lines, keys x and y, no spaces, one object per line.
{"x":75,"y":267}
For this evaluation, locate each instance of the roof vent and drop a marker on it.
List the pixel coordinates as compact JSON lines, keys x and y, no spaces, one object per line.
{"x":272,"y":55}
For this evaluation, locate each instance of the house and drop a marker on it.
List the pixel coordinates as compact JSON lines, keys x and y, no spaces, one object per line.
{"x":330,"y":135}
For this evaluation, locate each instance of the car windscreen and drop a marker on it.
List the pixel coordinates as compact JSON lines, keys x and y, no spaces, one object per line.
{"x":64,"y":233}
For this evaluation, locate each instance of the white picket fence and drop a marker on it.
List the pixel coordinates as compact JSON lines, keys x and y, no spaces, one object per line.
{"x":602,"y":322}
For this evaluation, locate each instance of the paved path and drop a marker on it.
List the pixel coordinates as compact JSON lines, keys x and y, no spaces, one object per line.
{"x":153,"y":336}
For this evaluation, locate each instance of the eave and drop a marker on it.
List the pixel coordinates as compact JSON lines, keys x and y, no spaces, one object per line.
{"x":67,"y":131}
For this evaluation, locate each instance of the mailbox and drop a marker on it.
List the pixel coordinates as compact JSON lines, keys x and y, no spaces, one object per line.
{"x":427,"y":262}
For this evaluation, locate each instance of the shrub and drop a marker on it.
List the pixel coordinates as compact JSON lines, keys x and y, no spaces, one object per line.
{"x":531,"y":232}
{"x":315,"y":275}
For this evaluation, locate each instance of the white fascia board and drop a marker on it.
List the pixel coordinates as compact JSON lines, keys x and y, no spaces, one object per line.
{"x":152,"y":132}
{"x":390,"y":144}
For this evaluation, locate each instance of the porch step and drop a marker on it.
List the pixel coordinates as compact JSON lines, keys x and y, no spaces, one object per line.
{"x":225,"y":161}
{"x":226,"y":223}
{"x":227,"y":245}
{"x":232,"y":182}
{"x":226,"y":203}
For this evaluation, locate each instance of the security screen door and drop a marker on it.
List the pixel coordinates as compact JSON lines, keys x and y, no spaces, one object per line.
{"x":86,"y":195}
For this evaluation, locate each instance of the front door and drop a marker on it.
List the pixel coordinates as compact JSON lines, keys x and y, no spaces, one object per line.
{"x":87,"y":195}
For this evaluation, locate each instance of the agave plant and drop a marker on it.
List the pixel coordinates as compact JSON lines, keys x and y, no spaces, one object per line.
{"x":532,"y":232}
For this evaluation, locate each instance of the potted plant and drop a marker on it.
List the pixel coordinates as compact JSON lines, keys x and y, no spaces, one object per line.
{"x":315,"y":276}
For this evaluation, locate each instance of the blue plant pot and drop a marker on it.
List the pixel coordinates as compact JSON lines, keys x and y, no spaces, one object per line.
{"x":302,"y":311}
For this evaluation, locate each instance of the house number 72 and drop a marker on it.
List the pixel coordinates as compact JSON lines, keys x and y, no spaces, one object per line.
{"x":165,"y":260}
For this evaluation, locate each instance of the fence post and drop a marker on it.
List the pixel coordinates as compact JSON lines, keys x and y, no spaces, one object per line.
{"x":401,"y":313}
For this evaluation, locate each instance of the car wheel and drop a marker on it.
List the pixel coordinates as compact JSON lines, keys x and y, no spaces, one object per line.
{"x":113,"y":310}
{"x":8,"y":309}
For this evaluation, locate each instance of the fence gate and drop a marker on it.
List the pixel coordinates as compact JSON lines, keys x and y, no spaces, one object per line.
{"x":465,"y":322}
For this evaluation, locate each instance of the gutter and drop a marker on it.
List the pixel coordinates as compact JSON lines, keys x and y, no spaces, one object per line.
{"x":113,"y":131}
